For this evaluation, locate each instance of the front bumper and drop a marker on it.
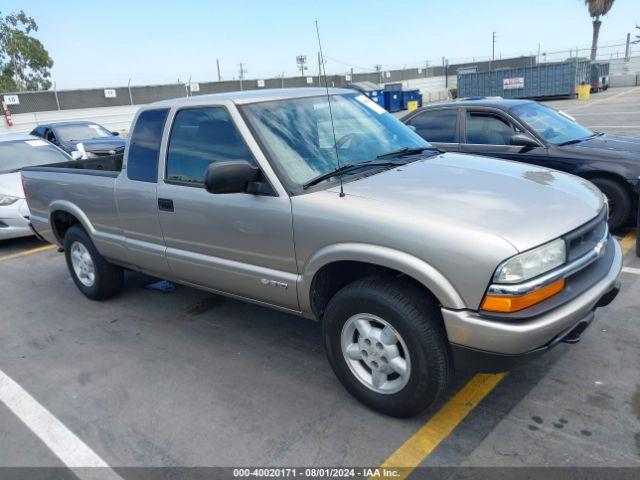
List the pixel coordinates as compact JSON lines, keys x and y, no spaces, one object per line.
{"x":14,"y":221}
{"x":471,"y":333}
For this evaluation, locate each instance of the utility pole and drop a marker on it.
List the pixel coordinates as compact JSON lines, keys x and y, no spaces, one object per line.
{"x":218,"y":66}
{"x":378,"y":69}
{"x":538,"y":57}
{"x":241,"y":71}
{"x":426,"y":66}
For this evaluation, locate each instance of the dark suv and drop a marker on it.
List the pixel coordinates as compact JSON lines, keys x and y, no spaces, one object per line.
{"x":528,"y":131}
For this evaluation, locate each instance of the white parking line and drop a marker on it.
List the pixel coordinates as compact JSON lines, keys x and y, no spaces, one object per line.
{"x":72,"y":451}
{"x":635,"y":271}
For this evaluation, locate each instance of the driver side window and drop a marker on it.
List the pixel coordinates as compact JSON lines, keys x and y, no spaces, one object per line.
{"x":486,"y":128}
{"x":199,"y":137}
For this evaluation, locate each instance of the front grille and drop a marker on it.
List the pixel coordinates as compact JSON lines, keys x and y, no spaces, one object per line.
{"x":584,"y":239}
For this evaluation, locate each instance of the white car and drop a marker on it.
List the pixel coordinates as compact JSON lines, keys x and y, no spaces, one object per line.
{"x":16,"y":152}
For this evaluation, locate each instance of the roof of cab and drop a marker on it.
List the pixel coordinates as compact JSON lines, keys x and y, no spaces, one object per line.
{"x":16,"y":137}
{"x":253,"y":96}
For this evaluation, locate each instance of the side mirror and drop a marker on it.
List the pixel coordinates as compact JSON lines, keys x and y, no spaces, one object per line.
{"x":76,"y":155}
{"x":412,"y":127}
{"x":230,"y":176}
{"x":115,"y":134}
{"x":523,"y":140}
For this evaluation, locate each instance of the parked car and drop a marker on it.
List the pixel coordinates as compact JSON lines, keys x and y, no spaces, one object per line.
{"x":415,"y":261}
{"x":88,"y":138}
{"x":530,"y":132}
{"x":17,"y":152}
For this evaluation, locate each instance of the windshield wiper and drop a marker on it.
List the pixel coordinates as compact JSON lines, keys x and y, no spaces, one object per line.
{"x":405,"y":151}
{"x":578,"y":140}
{"x":348,"y":167}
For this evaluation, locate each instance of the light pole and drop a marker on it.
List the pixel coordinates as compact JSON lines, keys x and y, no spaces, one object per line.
{"x":301,"y":60}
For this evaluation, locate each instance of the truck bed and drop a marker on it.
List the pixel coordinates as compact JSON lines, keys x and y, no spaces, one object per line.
{"x":108,"y":166}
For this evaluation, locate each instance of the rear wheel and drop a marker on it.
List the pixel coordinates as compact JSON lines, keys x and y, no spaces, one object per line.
{"x":619,"y":201}
{"x":385,"y":341}
{"x":93,"y":275}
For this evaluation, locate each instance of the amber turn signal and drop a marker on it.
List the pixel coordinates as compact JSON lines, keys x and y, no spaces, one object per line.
{"x":494,"y":303}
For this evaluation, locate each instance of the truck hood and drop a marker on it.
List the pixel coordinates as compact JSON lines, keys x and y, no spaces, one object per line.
{"x":11,"y":184}
{"x":524,"y":204}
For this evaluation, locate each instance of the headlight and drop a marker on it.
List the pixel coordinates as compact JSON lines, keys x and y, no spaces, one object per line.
{"x":6,"y":200}
{"x":530,"y":264}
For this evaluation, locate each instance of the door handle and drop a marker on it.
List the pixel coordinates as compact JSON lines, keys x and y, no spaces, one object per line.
{"x":165,"y":204}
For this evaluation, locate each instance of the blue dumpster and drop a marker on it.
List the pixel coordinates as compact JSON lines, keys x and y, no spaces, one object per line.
{"x":411,"y":96}
{"x":377,"y":96}
{"x":393,"y":101}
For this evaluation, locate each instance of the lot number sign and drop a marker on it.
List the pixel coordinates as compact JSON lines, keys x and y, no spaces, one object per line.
{"x":11,"y":99}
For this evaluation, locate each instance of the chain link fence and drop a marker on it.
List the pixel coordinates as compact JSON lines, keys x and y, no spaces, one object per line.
{"x":43,"y":101}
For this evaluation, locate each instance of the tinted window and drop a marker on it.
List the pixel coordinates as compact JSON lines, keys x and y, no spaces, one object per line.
{"x":199,"y":137}
{"x":142,"y":160}
{"x":437,"y":125}
{"x":487,"y":129}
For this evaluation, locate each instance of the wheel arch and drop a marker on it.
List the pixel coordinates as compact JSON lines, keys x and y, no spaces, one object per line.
{"x":64,"y":214}
{"x":344,"y":263}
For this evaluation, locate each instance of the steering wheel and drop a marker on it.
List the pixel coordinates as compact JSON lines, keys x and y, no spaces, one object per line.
{"x":353,"y":135}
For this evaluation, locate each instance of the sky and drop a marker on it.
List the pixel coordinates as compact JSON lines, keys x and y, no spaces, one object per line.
{"x":100,"y":44}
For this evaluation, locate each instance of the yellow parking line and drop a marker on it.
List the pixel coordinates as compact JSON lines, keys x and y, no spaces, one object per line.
{"x":603,"y":100}
{"x":628,"y":241}
{"x":28,"y":252}
{"x":412,"y":452}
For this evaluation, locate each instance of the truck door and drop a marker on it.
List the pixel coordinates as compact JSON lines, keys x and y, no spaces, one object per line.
{"x":137,"y":196}
{"x":238,"y":243}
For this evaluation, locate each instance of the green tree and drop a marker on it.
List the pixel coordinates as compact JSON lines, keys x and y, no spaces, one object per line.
{"x":597,"y":9}
{"x":24,"y":62}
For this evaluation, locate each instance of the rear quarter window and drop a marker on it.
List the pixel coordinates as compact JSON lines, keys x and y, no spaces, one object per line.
{"x":144,"y":147}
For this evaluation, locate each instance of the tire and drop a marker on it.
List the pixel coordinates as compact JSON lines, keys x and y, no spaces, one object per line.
{"x":107,"y":278}
{"x":417,"y":325}
{"x":619,"y":201}
{"x":638,"y":233}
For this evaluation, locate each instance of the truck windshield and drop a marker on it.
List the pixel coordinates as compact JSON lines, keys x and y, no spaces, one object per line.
{"x":28,"y":153}
{"x":551,"y":125}
{"x":298,"y":134}
{"x":81,"y":131}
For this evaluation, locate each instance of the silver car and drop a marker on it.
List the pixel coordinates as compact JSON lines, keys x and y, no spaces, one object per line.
{"x":415,"y":261}
{"x":16,"y":152}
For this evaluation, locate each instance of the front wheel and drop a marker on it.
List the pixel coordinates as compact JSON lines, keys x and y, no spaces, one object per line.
{"x":618,"y":199}
{"x":385,"y":341}
{"x":93,"y":275}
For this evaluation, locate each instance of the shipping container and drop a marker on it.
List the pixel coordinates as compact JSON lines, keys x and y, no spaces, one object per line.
{"x":599,"y":76}
{"x":545,"y":80}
